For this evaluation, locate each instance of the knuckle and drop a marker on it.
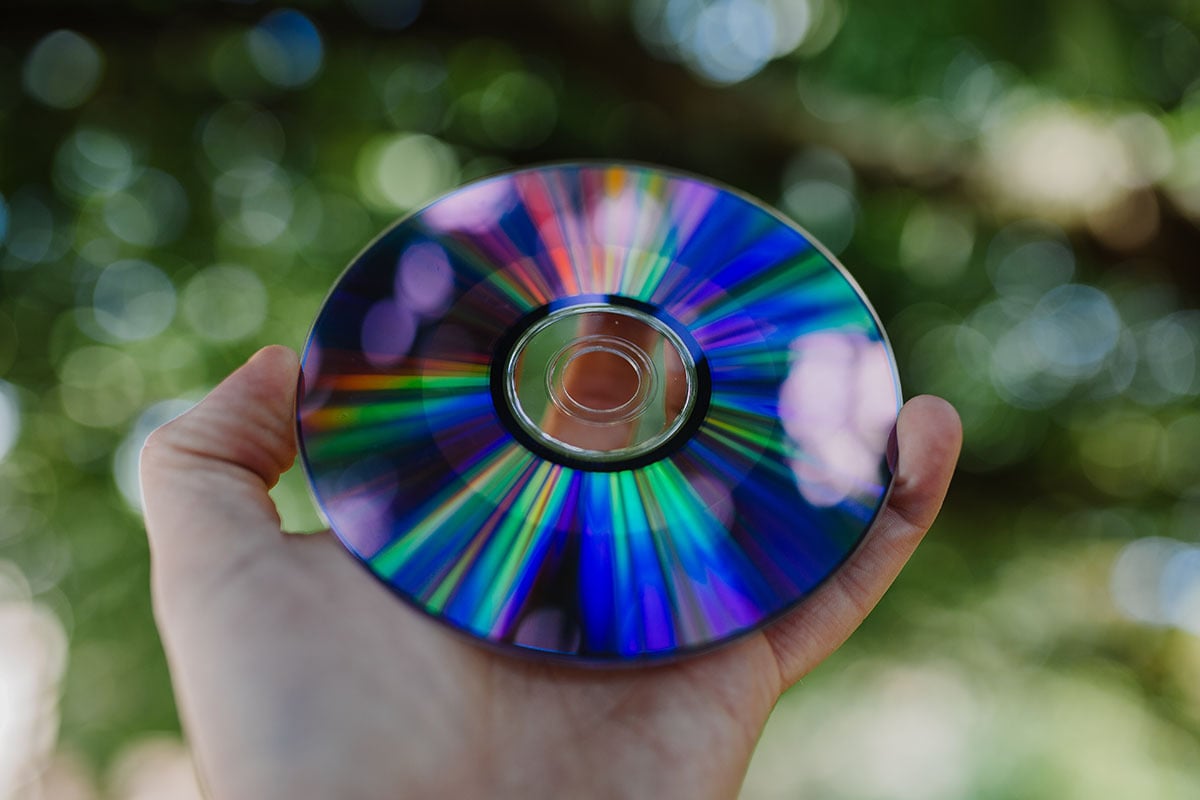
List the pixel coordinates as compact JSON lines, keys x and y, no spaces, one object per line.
{"x":161,"y":442}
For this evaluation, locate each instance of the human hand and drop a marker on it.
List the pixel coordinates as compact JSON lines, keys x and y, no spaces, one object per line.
{"x":300,"y":677}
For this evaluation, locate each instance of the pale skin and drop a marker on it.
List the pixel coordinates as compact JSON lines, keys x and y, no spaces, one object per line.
{"x":298,"y":676}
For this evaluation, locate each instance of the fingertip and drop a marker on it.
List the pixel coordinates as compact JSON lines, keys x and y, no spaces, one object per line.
{"x":269,"y":377}
{"x":931,"y":406}
{"x":929,"y":439}
{"x":246,"y":421}
{"x":275,"y":363}
{"x":277,"y":356}
{"x":933,"y":422}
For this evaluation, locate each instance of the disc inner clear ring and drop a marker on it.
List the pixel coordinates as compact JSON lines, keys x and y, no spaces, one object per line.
{"x":650,"y":381}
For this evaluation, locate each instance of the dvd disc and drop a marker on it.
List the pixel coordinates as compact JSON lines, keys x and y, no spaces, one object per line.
{"x":606,"y":412}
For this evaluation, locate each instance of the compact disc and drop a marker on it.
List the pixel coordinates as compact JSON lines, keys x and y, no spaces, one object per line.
{"x":605,"y":412}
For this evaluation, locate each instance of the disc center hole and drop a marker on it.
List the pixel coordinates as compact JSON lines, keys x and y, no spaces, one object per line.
{"x":599,"y":379}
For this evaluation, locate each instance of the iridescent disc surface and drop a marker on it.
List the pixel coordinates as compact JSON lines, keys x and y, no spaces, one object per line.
{"x":605,"y":412}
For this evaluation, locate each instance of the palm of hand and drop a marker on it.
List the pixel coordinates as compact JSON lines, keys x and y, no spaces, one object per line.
{"x":298,"y":676}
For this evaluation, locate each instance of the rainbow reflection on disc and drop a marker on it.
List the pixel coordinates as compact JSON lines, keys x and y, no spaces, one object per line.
{"x":605,"y":412}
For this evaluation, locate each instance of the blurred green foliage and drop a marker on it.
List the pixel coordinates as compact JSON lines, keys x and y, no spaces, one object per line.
{"x":1016,"y":185}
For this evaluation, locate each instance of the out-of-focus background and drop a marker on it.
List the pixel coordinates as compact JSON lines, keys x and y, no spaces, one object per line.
{"x":1015,"y":184}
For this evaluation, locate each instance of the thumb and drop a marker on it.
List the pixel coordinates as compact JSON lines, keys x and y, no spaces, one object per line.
{"x":205,"y":475}
{"x":929,"y":436}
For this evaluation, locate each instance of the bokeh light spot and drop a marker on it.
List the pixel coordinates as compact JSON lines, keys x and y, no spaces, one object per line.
{"x":225,"y":303}
{"x":398,"y":173}
{"x":1041,"y":354}
{"x":726,"y":41}
{"x":1077,"y":327}
{"x":264,"y":203}
{"x":732,"y":40}
{"x":100,"y":387}
{"x":1149,"y":148}
{"x":93,"y":161}
{"x":32,"y":229}
{"x":936,"y":244}
{"x":971,"y":87}
{"x":826,"y":210}
{"x":10,"y":419}
{"x":793,"y":21}
{"x":1027,"y":259}
{"x":34,"y":645}
{"x":819,"y":192}
{"x":1137,"y":577}
{"x":1056,"y":160}
{"x":1181,"y":471}
{"x":62,"y":70}
{"x":133,"y":300}
{"x":241,"y":139}
{"x":152,"y":211}
{"x":1179,"y":591}
{"x":886,"y":731}
{"x":1123,"y":455}
{"x":286,"y":48}
{"x":1169,"y":351}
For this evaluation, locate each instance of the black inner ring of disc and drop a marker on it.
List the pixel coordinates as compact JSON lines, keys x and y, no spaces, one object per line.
{"x":508,"y":340}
